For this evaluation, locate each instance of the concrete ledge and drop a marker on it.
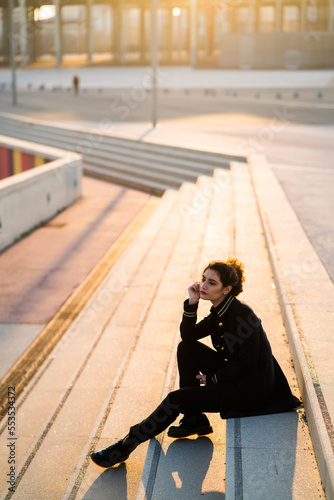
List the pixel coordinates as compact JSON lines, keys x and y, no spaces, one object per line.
{"x":261,"y":456}
{"x":306,"y":296}
{"x":32,"y":197}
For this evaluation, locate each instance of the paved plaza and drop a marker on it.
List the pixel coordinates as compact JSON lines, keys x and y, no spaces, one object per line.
{"x":168,"y":77}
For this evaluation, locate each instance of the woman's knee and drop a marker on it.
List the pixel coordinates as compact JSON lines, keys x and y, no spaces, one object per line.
{"x":190,"y":349}
{"x":184,"y":353}
{"x":186,"y":347}
{"x":181,"y":347}
{"x":172,"y":402}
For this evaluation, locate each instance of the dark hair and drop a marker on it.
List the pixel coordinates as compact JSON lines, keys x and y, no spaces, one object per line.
{"x":230,"y":272}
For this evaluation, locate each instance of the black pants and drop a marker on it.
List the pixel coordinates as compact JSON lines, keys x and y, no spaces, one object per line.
{"x":191,"y":398}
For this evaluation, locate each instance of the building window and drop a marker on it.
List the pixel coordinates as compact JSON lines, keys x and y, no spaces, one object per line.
{"x":74,"y":29}
{"x":291,"y":18}
{"x":242,"y":20}
{"x":317,"y":15}
{"x":267,"y":19}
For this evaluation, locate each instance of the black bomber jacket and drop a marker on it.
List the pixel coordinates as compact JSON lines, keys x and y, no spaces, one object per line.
{"x":236,"y":334}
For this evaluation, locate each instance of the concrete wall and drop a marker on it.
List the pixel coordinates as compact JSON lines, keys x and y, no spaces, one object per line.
{"x":275,"y":51}
{"x":35,"y":196}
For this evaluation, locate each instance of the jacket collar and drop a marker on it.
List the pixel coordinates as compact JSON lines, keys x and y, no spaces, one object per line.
{"x":221,"y":309}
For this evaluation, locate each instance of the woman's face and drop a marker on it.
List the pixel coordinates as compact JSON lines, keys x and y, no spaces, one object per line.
{"x":211,"y":288}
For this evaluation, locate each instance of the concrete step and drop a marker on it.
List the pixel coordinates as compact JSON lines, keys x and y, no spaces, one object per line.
{"x":57,"y":375}
{"x":154,"y":162}
{"x":145,"y":383}
{"x":102,"y":135}
{"x":143,"y":173}
{"x":194,"y":467}
{"x":109,"y":344}
{"x":306,"y":311}
{"x":102,"y":145}
{"x":153,"y":186}
{"x":267,"y":457}
{"x":118,"y":359}
{"x":133,"y":171}
{"x":149,"y":166}
{"x":138,"y":169}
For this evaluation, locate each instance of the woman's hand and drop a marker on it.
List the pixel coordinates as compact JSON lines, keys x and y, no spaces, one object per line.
{"x":193,"y":292}
{"x":202,"y":379}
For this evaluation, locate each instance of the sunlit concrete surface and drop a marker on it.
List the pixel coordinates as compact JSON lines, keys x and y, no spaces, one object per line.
{"x":296,"y":139}
{"x":169,"y":77}
{"x":40,"y":272}
{"x":15,"y":338}
{"x":294,"y":130}
{"x":102,"y":367}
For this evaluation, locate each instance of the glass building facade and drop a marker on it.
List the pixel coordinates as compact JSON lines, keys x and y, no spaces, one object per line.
{"x":218,"y":34}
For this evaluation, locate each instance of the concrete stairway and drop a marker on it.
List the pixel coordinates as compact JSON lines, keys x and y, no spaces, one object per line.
{"x":117,"y":360}
{"x":143,"y":165}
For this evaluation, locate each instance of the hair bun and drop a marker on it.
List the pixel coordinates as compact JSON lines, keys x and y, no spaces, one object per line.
{"x":231,"y":272}
{"x":238,"y":266}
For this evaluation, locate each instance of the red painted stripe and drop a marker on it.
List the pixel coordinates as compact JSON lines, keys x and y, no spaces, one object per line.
{"x":4,"y":163}
{"x":25,"y":161}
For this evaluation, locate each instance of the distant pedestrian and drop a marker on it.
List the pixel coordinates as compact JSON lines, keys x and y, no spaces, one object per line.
{"x":239,"y":377}
{"x":76,"y":83}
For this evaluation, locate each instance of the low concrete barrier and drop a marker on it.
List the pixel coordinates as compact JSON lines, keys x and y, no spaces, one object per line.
{"x":32,"y":197}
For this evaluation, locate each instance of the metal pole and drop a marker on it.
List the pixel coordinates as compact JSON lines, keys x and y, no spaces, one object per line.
{"x":89,"y":35}
{"x":193,"y":33}
{"x":12,"y":49}
{"x":23,"y":33}
{"x":154,"y":58}
{"x":58,"y":32}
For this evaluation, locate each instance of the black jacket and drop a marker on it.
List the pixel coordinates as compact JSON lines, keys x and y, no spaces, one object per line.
{"x":251,"y":380}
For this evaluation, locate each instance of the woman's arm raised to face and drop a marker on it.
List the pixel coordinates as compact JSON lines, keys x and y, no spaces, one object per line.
{"x":193,"y":292}
{"x":189,"y":328}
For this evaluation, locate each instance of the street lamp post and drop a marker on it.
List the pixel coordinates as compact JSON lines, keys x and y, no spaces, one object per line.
{"x":154,"y":58}
{"x":12,"y":49}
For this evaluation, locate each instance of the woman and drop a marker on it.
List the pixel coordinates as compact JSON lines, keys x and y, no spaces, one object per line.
{"x":239,"y":377}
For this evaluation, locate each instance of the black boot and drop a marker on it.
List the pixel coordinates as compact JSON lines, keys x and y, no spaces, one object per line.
{"x":114,"y":454}
{"x":190,"y":425}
